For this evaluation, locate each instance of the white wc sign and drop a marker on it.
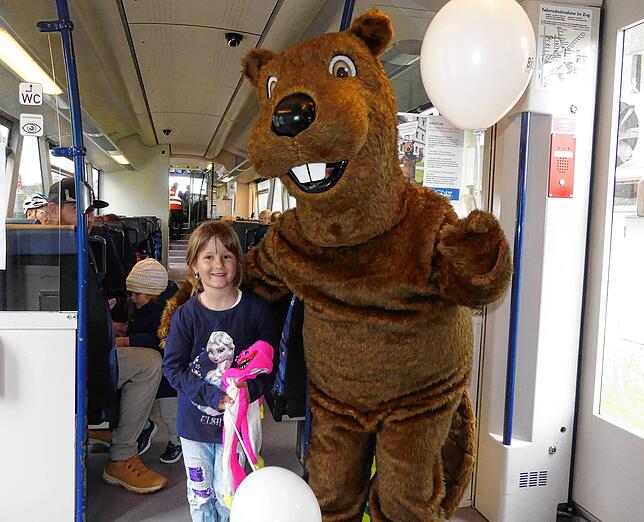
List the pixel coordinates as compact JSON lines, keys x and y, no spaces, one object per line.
{"x":30,"y":93}
{"x":31,"y":124}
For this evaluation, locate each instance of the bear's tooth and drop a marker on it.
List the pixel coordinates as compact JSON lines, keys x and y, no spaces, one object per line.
{"x":317,"y":171}
{"x":301,"y":173}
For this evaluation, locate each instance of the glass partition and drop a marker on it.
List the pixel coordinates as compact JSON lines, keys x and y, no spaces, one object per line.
{"x":40,"y":273}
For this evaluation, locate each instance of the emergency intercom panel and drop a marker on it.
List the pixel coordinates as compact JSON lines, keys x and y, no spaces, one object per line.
{"x":562,"y":165}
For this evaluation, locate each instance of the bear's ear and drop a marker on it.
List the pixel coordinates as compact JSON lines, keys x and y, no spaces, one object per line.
{"x":254,"y":61}
{"x":374,"y":29}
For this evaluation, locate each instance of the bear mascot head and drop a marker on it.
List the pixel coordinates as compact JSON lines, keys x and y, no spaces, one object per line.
{"x":327,"y":129}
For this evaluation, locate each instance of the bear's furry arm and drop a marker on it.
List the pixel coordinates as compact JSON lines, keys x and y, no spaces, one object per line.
{"x":261,"y":269}
{"x":472,"y":265}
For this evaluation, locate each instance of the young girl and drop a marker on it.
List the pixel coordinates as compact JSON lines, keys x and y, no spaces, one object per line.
{"x":217,"y":310}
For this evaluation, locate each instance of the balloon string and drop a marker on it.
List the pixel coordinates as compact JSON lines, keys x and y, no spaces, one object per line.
{"x":479,"y":136}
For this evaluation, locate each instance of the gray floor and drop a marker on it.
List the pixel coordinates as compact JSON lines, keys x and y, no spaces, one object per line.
{"x":114,"y":504}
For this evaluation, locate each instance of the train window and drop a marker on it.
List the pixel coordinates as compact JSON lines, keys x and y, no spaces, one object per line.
{"x":262,"y":200}
{"x":60,"y":167}
{"x":95,"y":182}
{"x":5,"y":129}
{"x":29,"y":174}
{"x":262,"y":194}
{"x":622,"y":369}
{"x":276,"y":204}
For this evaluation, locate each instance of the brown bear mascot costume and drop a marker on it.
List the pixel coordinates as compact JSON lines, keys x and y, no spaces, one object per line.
{"x":386,"y":271}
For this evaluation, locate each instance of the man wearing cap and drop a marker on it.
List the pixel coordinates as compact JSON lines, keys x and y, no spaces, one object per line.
{"x":62,"y":203}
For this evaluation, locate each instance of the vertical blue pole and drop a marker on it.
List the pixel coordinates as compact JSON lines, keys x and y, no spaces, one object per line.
{"x":64,"y":26}
{"x":508,"y":414}
{"x":347,"y":13}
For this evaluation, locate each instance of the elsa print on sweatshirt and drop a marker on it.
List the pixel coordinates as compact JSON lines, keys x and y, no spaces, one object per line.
{"x":212,"y":362}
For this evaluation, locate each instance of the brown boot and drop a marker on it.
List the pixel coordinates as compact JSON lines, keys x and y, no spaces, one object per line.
{"x":133,"y":475}
{"x":102,"y":437}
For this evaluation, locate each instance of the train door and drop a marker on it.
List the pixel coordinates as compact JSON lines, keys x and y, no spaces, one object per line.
{"x":609,"y":457}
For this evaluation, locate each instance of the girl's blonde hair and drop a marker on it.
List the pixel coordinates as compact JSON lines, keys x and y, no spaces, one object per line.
{"x":199,"y":239}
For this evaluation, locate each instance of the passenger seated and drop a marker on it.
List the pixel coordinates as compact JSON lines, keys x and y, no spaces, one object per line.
{"x":265,"y":217}
{"x":61,"y":206}
{"x":139,"y":373}
{"x":260,"y":231}
{"x":35,"y":207}
{"x":149,"y":290}
{"x":107,"y":218}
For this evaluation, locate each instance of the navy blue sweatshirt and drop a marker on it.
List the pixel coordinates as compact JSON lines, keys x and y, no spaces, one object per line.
{"x":190,"y":329}
{"x":143,"y":323}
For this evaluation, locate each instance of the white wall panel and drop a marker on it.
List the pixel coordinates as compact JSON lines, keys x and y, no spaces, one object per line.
{"x":37,"y":415}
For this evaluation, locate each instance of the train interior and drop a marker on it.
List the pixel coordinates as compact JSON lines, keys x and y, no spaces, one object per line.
{"x":165,"y":107}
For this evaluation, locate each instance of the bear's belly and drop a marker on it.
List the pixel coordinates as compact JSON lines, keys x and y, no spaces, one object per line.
{"x":366,"y":363}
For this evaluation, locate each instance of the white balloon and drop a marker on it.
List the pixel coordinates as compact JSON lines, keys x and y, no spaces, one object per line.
{"x":477,"y":59}
{"x":274,"y":494}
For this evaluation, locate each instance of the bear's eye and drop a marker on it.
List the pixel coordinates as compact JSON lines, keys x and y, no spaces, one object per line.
{"x":270,"y":84}
{"x":342,"y":66}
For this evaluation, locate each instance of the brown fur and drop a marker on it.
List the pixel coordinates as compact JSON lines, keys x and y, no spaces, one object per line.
{"x":385,"y":269}
{"x":186,"y":288}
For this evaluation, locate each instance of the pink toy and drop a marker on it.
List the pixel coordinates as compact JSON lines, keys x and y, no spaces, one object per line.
{"x":242,"y":420}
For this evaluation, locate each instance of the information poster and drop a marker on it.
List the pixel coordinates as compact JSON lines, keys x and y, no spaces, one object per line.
{"x":563,"y":46}
{"x":444,"y":157}
{"x":412,"y":135}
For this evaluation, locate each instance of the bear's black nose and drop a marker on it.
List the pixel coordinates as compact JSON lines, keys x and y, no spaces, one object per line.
{"x":293,"y":114}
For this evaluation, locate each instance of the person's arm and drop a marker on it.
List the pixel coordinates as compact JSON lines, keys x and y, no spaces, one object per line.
{"x":176,"y":364}
{"x":266,"y":331}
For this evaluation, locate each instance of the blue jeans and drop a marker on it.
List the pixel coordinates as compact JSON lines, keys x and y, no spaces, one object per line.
{"x":203,"y":463}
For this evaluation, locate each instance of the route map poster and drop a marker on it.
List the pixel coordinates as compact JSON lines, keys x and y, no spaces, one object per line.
{"x":563,"y":46}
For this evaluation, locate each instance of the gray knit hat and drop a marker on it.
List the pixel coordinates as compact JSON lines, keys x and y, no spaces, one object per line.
{"x":148,"y":276}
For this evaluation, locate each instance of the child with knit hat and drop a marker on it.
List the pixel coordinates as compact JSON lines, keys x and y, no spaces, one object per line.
{"x":148,"y":290}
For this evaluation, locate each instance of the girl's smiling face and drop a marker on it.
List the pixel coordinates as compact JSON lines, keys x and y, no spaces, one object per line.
{"x":216,"y":266}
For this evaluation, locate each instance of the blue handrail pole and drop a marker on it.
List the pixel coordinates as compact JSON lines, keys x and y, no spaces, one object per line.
{"x":347,"y":14}
{"x":65,"y":26}
{"x":513,"y":337}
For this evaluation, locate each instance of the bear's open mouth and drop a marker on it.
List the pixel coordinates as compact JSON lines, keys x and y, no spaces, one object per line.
{"x":317,"y":177}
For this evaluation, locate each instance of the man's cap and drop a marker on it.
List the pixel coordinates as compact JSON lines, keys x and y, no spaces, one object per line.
{"x":64,"y":191}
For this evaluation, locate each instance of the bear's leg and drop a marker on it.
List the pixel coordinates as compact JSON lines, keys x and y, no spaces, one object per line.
{"x":408,"y":486}
{"x":339,"y":463}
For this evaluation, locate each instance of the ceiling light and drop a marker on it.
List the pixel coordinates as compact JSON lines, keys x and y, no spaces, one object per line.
{"x":227,"y":179}
{"x":119,"y":158}
{"x":21,"y":63}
